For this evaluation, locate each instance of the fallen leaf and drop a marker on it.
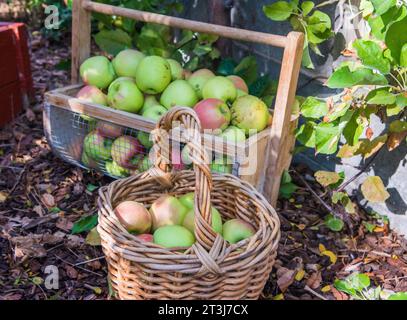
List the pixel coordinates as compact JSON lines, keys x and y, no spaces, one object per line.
{"x":71,"y":272}
{"x":373,"y":189}
{"x":38,"y":210}
{"x":300,"y":275}
{"x":339,"y":295}
{"x":93,"y":238}
{"x":326,"y":289}
{"x":3,"y":196}
{"x":314,"y":281}
{"x":48,"y":200}
{"x":285,"y":277}
{"x":332,"y":256}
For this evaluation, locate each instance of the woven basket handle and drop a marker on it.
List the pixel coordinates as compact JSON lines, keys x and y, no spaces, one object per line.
{"x":190,"y":128}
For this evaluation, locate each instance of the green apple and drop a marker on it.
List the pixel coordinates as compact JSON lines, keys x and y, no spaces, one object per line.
{"x":126,"y":62}
{"x":153,"y":74}
{"x":113,"y":169}
{"x":173,"y":236}
{"x":149,"y":101}
{"x":97,"y":71}
{"x":250,"y":113}
{"x":177,"y":73}
{"x":124,"y":95}
{"x":133,"y":216}
{"x":233,"y":134}
{"x":220,"y":88}
{"x":198,"y":79}
{"x":236,"y":230}
{"x":144,"y":164}
{"x":221,"y":168}
{"x":154,"y":113}
{"x":108,"y":129}
{"x":187,"y":200}
{"x":240,"y":93}
{"x":144,"y":138}
{"x":179,"y":93}
{"x":189,"y":220}
{"x":97,"y":147}
{"x":88,"y":162}
{"x":167,"y":210}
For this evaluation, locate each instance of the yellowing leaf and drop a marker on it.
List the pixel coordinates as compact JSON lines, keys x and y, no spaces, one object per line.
{"x":368,"y":148}
{"x":395,"y":140}
{"x":321,"y":248}
{"x":93,"y":238}
{"x":280,"y":296}
{"x":326,"y":178}
{"x":331,"y":255}
{"x":348,"y":151}
{"x":373,"y":189}
{"x":326,"y":289}
{"x":300,"y":275}
{"x":3,"y":196}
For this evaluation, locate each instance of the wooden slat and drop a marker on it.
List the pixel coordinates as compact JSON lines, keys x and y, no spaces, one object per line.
{"x":196,"y":26}
{"x":81,"y":33}
{"x":282,"y":135}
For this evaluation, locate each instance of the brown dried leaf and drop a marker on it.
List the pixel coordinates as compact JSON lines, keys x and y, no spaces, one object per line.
{"x":314,"y":281}
{"x":285,"y":277}
{"x":395,"y":139}
{"x":48,"y":200}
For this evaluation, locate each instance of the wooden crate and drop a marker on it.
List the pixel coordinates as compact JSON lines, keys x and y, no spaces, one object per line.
{"x":274,"y":145}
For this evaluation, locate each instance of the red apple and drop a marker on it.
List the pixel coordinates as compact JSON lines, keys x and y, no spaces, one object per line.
{"x":92,"y":94}
{"x":213,"y":114}
{"x":108,"y":129}
{"x":239,"y":83}
{"x":124,"y":149}
{"x":134,"y":216}
{"x":146,"y":237}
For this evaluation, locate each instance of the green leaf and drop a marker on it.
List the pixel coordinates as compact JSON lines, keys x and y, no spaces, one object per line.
{"x":306,"y":7}
{"x":287,"y":187}
{"x":372,"y":55}
{"x":85,"y":224}
{"x":398,"y":126}
{"x":327,"y":137}
{"x":258,"y":87}
{"x":306,"y":58}
{"x":380,"y":96}
{"x":380,"y":24}
{"x":398,"y":296}
{"x":403,"y":56}
{"x":226,"y":67}
{"x":382,"y":6}
{"x":314,"y":108}
{"x":113,"y":41}
{"x":366,"y":7}
{"x":90,"y":187}
{"x":358,"y":281}
{"x":369,"y":226}
{"x":396,"y":38}
{"x":333,"y":223}
{"x":339,"y":110}
{"x":247,"y":69}
{"x":306,"y":134}
{"x":373,"y":189}
{"x":343,"y":77}
{"x":279,"y":11}
{"x":343,"y":286}
{"x":401,"y":100}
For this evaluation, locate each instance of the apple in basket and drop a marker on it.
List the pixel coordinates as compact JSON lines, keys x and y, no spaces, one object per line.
{"x":92,"y":94}
{"x":124,"y":150}
{"x":198,"y":79}
{"x":189,"y":220}
{"x":97,"y":146}
{"x":239,"y":83}
{"x":153,"y":74}
{"x":124,"y":95}
{"x":220,"y":88}
{"x":177,"y":73}
{"x":108,"y":129}
{"x":187,"y":200}
{"x":236,"y":230}
{"x":126,"y":62}
{"x":172,"y":236}
{"x":221,"y":168}
{"x":133,"y":216}
{"x":213,"y":114}
{"x":147,"y":237}
{"x":233,"y":134}
{"x":249,"y":112}
{"x":179,"y":93}
{"x":97,"y":71}
{"x":167,"y":210}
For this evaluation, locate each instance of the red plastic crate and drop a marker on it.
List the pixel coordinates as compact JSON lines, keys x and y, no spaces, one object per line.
{"x":16,"y":86}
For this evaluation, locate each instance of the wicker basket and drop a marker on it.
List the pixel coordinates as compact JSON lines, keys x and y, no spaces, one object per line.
{"x":211,"y":268}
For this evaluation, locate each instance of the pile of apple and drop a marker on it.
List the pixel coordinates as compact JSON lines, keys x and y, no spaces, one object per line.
{"x":151,"y":85}
{"x":171,"y":222}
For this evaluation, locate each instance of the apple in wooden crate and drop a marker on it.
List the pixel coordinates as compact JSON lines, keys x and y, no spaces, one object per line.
{"x":97,"y":71}
{"x":125,"y":63}
{"x":125,"y":149}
